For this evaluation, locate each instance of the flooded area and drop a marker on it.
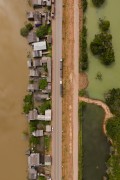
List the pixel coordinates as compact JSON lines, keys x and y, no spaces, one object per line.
{"x":110,"y":74}
{"x":14,"y":79}
{"x":95,"y":145}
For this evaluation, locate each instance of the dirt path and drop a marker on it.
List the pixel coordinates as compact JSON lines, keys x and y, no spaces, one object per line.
{"x":108,"y":114}
{"x":67,"y":118}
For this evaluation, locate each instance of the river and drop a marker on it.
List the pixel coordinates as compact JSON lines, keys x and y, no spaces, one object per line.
{"x":14,"y":79}
{"x":111,"y":74}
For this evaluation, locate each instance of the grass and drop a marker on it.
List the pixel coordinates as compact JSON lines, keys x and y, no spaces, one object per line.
{"x":80,"y":163}
{"x":47,"y":143}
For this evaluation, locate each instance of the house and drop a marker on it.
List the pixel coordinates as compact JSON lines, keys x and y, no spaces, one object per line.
{"x":36,"y":63}
{"x":46,"y":117}
{"x":34,"y":160}
{"x":32,"y":173}
{"x":40,"y":96}
{"x":34,"y":73}
{"x":38,"y":133}
{"x":37,"y":54}
{"x":30,"y":16}
{"x":48,"y":160}
{"x":48,"y":128}
{"x":39,"y":46}
{"x":47,"y":2}
{"x":32,"y":38}
{"x":37,"y":18}
{"x":37,"y":3}
{"x":29,"y":63}
{"x":32,"y":115}
{"x":33,"y":87}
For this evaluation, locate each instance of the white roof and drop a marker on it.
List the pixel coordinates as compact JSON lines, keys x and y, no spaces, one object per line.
{"x":46,"y":117}
{"x":37,"y":133}
{"x":39,"y":46}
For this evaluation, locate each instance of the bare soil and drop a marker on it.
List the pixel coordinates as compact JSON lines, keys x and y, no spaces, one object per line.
{"x":68,"y":52}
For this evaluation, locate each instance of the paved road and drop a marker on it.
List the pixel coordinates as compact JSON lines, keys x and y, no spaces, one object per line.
{"x":56,"y":98}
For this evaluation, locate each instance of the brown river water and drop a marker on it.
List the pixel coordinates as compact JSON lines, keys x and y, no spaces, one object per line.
{"x":13,"y":84}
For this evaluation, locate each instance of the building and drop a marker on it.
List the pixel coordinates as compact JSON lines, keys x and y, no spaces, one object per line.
{"x":33,"y":87}
{"x":36,"y":63}
{"x":33,"y":114}
{"x":40,"y":96}
{"x":37,"y":54}
{"x":37,"y":18}
{"x":34,"y":160}
{"x":46,"y":117}
{"x":30,"y":16}
{"x":48,"y":128}
{"x":39,"y":46}
{"x":48,"y":160}
{"x":34,"y":73}
{"x":32,"y":38}
{"x":38,"y":133}
{"x":32,"y":173}
{"x":37,"y":3}
{"x":49,"y":39}
{"x":29,"y":63}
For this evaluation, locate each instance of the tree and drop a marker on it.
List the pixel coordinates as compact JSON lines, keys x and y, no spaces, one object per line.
{"x":29,"y":26}
{"x":34,"y":140}
{"x":104,"y":24}
{"x":102,"y":46}
{"x":42,"y":31}
{"x":46,"y":105}
{"x":24,"y":32}
{"x":98,"y":3}
{"x":84,"y":5}
{"x":112,"y":99}
{"x":28,"y":103}
{"x":42,"y":84}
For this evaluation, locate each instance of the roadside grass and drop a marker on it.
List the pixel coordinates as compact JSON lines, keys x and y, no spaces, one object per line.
{"x":47,"y":143}
{"x":80,"y":159}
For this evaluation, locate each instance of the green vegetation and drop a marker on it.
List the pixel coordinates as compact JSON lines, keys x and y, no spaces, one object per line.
{"x":102,"y":47}
{"x":42,"y":83}
{"x":113,"y":165}
{"x":84,"y":55}
{"x":25,"y":30}
{"x":44,"y":106}
{"x":112,"y":99}
{"x":82,"y":92}
{"x":42,"y":178}
{"x":33,"y":125}
{"x":42,"y":31}
{"x":84,"y":5}
{"x":50,"y":30}
{"x":47,"y":142}
{"x":113,"y":131}
{"x":28,"y":103}
{"x":99,"y":76}
{"x":98,"y":3}
{"x":34,"y":140}
{"x":104,"y":24}
{"x":80,"y":153}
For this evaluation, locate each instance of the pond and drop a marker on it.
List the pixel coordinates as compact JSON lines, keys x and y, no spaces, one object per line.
{"x":111,"y":74}
{"x":95,"y":144}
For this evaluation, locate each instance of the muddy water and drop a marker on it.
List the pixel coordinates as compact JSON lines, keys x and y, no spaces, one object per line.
{"x":13,"y":83}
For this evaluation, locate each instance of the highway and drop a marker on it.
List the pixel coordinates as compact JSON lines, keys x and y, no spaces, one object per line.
{"x":56,"y":97}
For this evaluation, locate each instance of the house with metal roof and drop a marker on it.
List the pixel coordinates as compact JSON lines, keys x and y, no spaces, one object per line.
{"x":39,"y":46}
{"x":34,"y":73}
{"x":33,"y":87}
{"x":34,"y":160}
{"x":37,"y":133}
{"x":30,"y":16}
{"x":48,"y":160}
{"x":41,"y":96}
{"x":46,"y":117}
{"x":29,"y":63}
{"x":37,"y":54}
{"x":32,"y":173}
{"x":48,"y":128}
{"x":32,"y":115}
{"x":32,"y":38}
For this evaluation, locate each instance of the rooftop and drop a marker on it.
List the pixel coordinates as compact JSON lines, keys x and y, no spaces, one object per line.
{"x":39,"y":46}
{"x":34,"y":159}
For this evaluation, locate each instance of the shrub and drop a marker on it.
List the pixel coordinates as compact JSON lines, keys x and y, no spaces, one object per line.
{"x":84,"y":5}
{"x":24,"y":31}
{"x":104,"y":24}
{"x":98,"y":3}
{"x":28,"y":103}
{"x":29,"y":26}
{"x":46,"y":105}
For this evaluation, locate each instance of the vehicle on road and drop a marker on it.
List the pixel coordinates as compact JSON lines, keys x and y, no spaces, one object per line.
{"x":61,"y":88}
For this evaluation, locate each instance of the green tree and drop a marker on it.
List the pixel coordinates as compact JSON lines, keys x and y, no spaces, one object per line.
{"x":104,"y":24}
{"x":44,"y":106}
{"x":34,"y":140}
{"x":28,"y":103}
{"x":24,"y":32}
{"x":84,"y":5}
{"x":42,"y":31}
{"x":98,"y":3}
{"x":29,"y":26}
{"x":42,"y":83}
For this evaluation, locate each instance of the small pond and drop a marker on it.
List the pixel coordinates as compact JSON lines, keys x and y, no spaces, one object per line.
{"x":95,"y":144}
